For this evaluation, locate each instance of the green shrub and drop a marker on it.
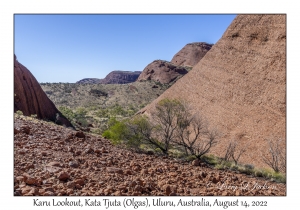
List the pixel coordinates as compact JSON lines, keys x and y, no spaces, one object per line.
{"x":19,"y":112}
{"x":234,"y":167}
{"x":67,"y":112}
{"x":211,"y":159}
{"x":191,"y":158}
{"x":80,"y":112}
{"x":102,"y":113}
{"x":33,"y":116}
{"x":258,"y":173}
{"x":220,"y":166}
{"x":117,"y":131}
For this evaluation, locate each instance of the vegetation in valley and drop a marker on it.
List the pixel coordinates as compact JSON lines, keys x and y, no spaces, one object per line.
{"x":89,"y":107}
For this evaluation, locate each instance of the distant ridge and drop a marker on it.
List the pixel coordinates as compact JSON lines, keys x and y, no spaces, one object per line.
{"x":114,"y":77}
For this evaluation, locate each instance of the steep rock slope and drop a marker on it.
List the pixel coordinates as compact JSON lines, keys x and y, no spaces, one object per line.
{"x":162,"y":71}
{"x":31,"y":99}
{"x":240,"y":84}
{"x":191,"y":54}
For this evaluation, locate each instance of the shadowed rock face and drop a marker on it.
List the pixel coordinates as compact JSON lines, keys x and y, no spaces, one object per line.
{"x":162,"y":71}
{"x":191,"y":54}
{"x":31,"y":99}
{"x":240,"y":84}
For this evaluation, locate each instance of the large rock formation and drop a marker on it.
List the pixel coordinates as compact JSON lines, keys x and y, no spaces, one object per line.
{"x":121,"y":77}
{"x":240,"y":84}
{"x":191,"y":54}
{"x":114,"y":77}
{"x":162,"y":71}
{"x":31,"y":99}
{"x":89,"y":81}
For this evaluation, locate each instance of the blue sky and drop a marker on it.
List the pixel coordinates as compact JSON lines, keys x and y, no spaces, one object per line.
{"x":67,"y":48}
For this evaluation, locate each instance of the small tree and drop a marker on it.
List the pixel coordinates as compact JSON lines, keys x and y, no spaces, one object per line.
{"x":275,"y":156}
{"x":166,"y":116}
{"x":234,"y":151}
{"x":143,"y":132}
{"x":179,"y":126}
{"x":173,"y":124}
{"x":195,"y":137}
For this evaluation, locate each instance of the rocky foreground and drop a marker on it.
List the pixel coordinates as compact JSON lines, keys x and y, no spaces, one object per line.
{"x":51,"y":160}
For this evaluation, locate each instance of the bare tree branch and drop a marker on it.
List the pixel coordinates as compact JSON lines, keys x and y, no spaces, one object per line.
{"x":275,"y":155}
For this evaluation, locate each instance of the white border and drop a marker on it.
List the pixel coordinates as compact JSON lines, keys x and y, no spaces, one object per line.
{"x":8,"y":8}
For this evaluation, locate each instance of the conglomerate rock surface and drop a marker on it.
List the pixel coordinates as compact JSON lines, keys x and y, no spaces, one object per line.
{"x":30,"y":98}
{"x":162,"y":71}
{"x":240,"y":85}
{"x":191,"y":54}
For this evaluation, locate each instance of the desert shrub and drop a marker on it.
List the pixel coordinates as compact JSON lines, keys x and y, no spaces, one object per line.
{"x":275,"y":156}
{"x":142,"y":132}
{"x":82,"y":121}
{"x":102,"y":113}
{"x":117,"y":110}
{"x":80,"y":112}
{"x":234,"y":151}
{"x":67,"y":112}
{"x":33,"y":116}
{"x":98,"y":93}
{"x":173,"y":126}
{"x":117,"y":131}
{"x":19,"y":112}
{"x":190,"y":157}
{"x":249,"y":166}
{"x":210,"y":159}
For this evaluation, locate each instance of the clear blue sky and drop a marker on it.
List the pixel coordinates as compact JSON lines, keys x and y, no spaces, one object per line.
{"x":68,"y":48}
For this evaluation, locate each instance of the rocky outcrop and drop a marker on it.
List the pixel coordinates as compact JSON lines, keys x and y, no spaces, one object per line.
{"x":162,"y":71}
{"x":121,"y":77}
{"x":31,"y":99}
{"x":114,"y":77}
{"x":240,"y":84}
{"x":191,"y":54}
{"x":89,"y":81}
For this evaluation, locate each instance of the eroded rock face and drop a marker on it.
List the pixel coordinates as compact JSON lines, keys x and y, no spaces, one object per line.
{"x":240,"y":84}
{"x":121,"y":77}
{"x":162,"y":71}
{"x":114,"y":77}
{"x":191,"y":54}
{"x":31,"y":99}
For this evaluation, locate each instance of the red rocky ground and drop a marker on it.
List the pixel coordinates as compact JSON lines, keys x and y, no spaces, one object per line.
{"x":50,"y":160}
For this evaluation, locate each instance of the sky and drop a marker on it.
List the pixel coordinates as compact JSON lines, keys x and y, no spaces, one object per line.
{"x":68,"y":48}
